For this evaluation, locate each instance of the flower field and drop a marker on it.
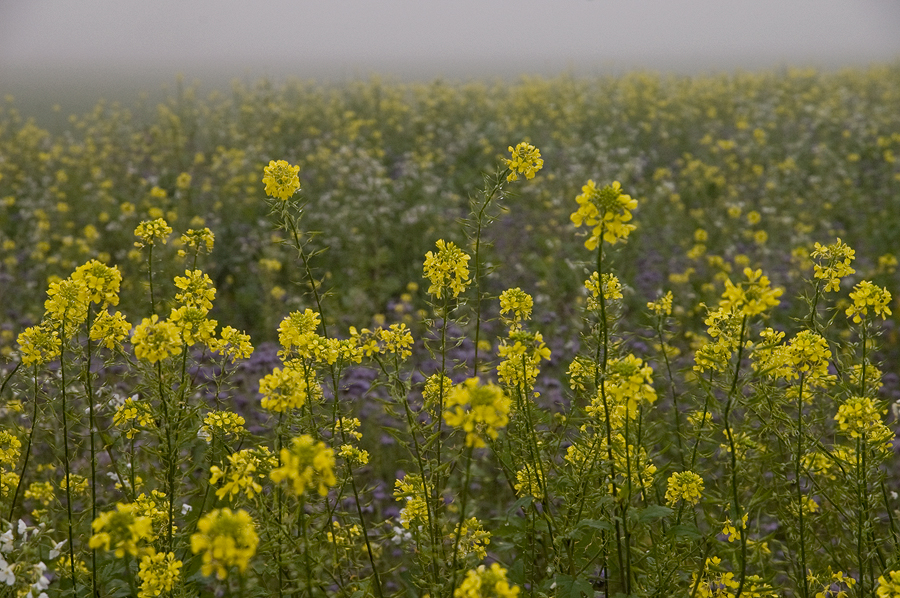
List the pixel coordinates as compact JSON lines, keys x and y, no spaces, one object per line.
{"x":619,"y":336}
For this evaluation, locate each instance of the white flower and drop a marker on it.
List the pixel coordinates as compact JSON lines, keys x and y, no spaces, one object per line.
{"x":6,"y":573}
{"x":6,"y":541}
{"x":54,"y":552}
{"x":186,"y":508}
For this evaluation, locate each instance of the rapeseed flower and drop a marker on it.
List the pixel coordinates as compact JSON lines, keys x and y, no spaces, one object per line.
{"x":858,"y":417}
{"x":486,"y":583}
{"x":889,"y":587}
{"x":110,"y":329}
{"x":477,"y":409}
{"x":866,"y":295}
{"x":198,"y":240}
{"x":662,"y":306}
{"x":473,"y":539}
{"x":281,"y":179}
{"x":834,"y":263}
{"x":283,"y":389}
{"x":151,"y":231}
{"x":193,"y":325}
{"x":752,"y":297}
{"x":158,"y":573}
{"x":38,"y":344}
{"x":397,"y":339}
{"x":434,"y":386}
{"x":686,"y":486}
{"x":102,"y":282}
{"x":611,"y":289}
{"x":154,"y":506}
{"x":521,"y":357}
{"x":447,"y":270}
{"x":221,"y":423}
{"x":518,"y":304}
{"x":155,"y":340}
{"x":607,"y":210}
{"x":306,"y":465}
{"x":411,"y":492}
{"x":240,"y":475}
{"x":196,"y":290}
{"x":525,"y":159}
{"x":133,"y":415}
{"x":232,"y":344}
{"x":121,"y":530}
{"x":225,"y":540}
{"x":68,"y":302}
{"x":10,"y":447}
{"x":529,"y":482}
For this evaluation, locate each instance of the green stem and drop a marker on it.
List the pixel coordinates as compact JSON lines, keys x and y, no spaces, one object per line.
{"x":739,"y":518}
{"x":12,"y":506}
{"x":803,"y":572}
{"x":65,"y":418}
{"x":462,"y":518}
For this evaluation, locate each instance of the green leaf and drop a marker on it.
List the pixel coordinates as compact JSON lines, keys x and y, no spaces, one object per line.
{"x":653,"y":512}
{"x":566,"y":586}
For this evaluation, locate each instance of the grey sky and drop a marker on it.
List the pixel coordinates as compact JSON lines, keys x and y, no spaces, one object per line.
{"x":450,"y":37}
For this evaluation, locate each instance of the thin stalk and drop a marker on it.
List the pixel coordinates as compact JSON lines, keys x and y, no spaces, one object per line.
{"x":65,"y":418}
{"x":479,"y":222}
{"x":662,"y":344}
{"x":739,"y":518}
{"x":307,"y":565}
{"x":462,"y":517}
{"x":89,"y":389}
{"x":804,"y":581}
{"x":12,"y":506}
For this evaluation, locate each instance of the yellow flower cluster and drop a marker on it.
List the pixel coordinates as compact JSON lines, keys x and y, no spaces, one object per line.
{"x":232,"y":344}
{"x":121,"y":530}
{"x":529,"y":482}
{"x":158,"y":573}
{"x":411,"y":491}
{"x":522,"y":354}
{"x":524,"y":159}
{"x":686,"y":486}
{"x":306,"y":465}
{"x":611,"y":288}
{"x":436,"y":388}
{"x":155,"y":340}
{"x":202,"y":239}
{"x":110,"y":329}
{"x":473,"y":539}
{"x":193,"y":326}
{"x":836,"y":259}
{"x":283,"y":390}
{"x":397,"y":339}
{"x":752,"y":297}
{"x":486,"y":583}
{"x":866,"y":295}
{"x":195,"y":290}
{"x":155,"y":507}
{"x":10,"y":446}
{"x":607,"y":210}
{"x":519,"y":304}
{"x":662,"y":306}
{"x":447,"y":270}
{"x":38,"y":344}
{"x":151,"y":231}
{"x":298,"y":338}
{"x":889,"y":586}
{"x":281,"y":179}
{"x":859,"y":418}
{"x":628,"y":384}
{"x":477,"y":409}
{"x":223,"y":423}
{"x":102,"y":282}
{"x":226,"y":540}
{"x":240,"y":475}
{"x":133,"y":415}
{"x":732,"y":532}
{"x":67,"y":302}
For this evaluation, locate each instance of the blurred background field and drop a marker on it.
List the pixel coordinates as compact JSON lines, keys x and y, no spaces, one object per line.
{"x":730,"y":170}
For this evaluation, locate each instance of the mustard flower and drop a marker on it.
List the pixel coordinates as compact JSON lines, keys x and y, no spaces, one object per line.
{"x":521,"y":355}
{"x":102,"y":282}
{"x":240,"y":475}
{"x":524,"y":159}
{"x":685,"y":485}
{"x":436,"y":388}
{"x":752,"y":297}
{"x":731,"y":531}
{"x":859,"y":417}
{"x":612,"y":289}
{"x":155,"y":340}
{"x":68,"y":301}
{"x":226,"y":540}
{"x":306,"y":465}
{"x":196,"y":289}
{"x":411,"y":492}
{"x":159,"y":573}
{"x":629,"y":383}
{"x":607,"y":210}
{"x":281,"y":179}
{"x":38,"y":344}
{"x":662,"y":306}
{"x":10,"y":447}
{"x":473,"y":539}
{"x":121,"y":530}
{"x":9,"y":481}
{"x":283,"y":390}
{"x":889,"y":587}
{"x":154,"y":506}
{"x":397,"y":339}
{"x":447,"y":270}
{"x":133,"y":415}
{"x":529,"y":482}
{"x":866,"y":295}
{"x":232,"y":344}
{"x":486,"y":583}
{"x":198,"y":240}
{"x":110,"y":329}
{"x":193,"y":325}
{"x":519,"y":304}
{"x":222,"y":423}
{"x":809,"y":353}
{"x":42,"y":492}
{"x":477,"y":409}
{"x":353,"y":454}
{"x":151,"y":231}
{"x":836,"y":259}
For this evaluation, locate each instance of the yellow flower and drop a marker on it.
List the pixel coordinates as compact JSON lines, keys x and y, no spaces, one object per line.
{"x":224,"y":423}
{"x":411,"y":492}
{"x":38,"y":344}
{"x":281,"y":179}
{"x":232,"y":344}
{"x":859,"y":417}
{"x":447,"y":270}
{"x":308,"y":464}
{"x":68,"y":301}
{"x":283,"y":390}
{"x":154,"y":340}
{"x":525,"y":159}
{"x":397,"y":339}
{"x":193,"y":325}
{"x":519,"y":303}
{"x":196,"y":289}
{"x":158,"y":573}
{"x":889,"y":587}
{"x":151,"y":231}
{"x":226,"y":540}
{"x":101,"y":281}
{"x":240,"y":475}
{"x":10,"y":446}
{"x":751,"y":297}
{"x":197,"y":240}
{"x":110,"y":329}
{"x":607,"y":210}
{"x":133,"y":415}
{"x":529,"y":482}
{"x":612,"y":289}
{"x":686,"y":485}
{"x":121,"y":530}
{"x":477,"y":409}
{"x":486,"y":583}
{"x":866,"y":295}
{"x":662,"y":306}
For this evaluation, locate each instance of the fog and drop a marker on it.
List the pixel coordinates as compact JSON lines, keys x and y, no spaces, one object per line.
{"x":70,"y":52}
